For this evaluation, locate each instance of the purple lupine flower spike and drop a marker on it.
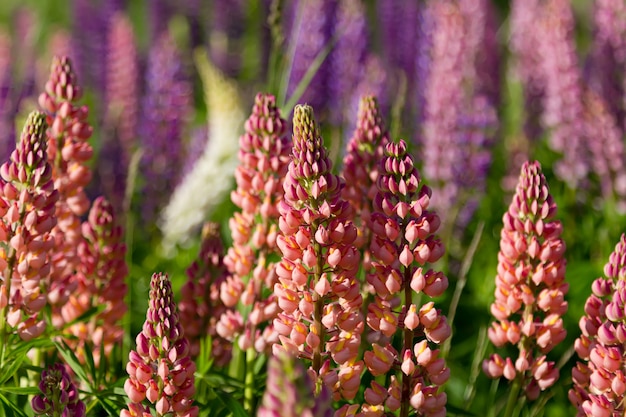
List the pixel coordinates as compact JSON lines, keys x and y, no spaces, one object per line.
{"x":599,"y":380}
{"x":161,"y":372}
{"x":59,"y":395}
{"x":166,"y":106}
{"x":290,"y":392}
{"x":7,"y":129}
{"x":227,"y":26}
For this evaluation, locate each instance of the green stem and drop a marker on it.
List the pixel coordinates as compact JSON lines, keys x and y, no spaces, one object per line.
{"x":318,"y":313}
{"x":513,"y":396}
{"x":248,"y":394}
{"x":407,"y":345}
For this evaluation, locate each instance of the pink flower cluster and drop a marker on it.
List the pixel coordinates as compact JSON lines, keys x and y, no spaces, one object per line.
{"x":403,"y":244}
{"x":200,"y":306}
{"x":530,"y":287}
{"x":27,"y":199}
{"x":160,"y":369}
{"x":599,"y":380}
{"x":317,"y":290}
{"x":68,"y":152}
{"x":264,"y":156}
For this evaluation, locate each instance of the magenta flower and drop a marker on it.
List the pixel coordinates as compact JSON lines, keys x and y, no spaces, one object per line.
{"x":530,"y":287}
{"x":27,"y":199}
{"x":201,"y":306}
{"x":59,"y":396}
{"x":263,"y":157}
{"x":160,"y":369}
{"x":317,"y":288}
{"x":403,"y":245}
{"x":599,"y":379}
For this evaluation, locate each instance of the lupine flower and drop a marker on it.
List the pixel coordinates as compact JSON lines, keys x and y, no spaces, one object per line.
{"x":530,"y":287}
{"x":607,"y":59}
{"x":227,"y":25}
{"x":263,"y":160}
{"x":160,"y":12}
{"x":373,"y":80}
{"x":27,"y":198}
{"x":160,"y":369}
{"x":403,"y":245}
{"x":101,"y":283}
{"x":347,"y":57}
{"x":59,"y":396}
{"x":311,"y":31}
{"x":361,"y":168}
{"x":562,"y":80}
{"x":166,"y":107}
{"x":317,"y":291}
{"x":68,"y":153}
{"x":7,"y":137}
{"x":290,"y":392}
{"x":211,"y":178}
{"x":606,"y":149}
{"x":200,"y":305}
{"x":599,"y":380}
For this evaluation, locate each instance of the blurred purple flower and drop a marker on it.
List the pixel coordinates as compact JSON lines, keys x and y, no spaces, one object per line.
{"x":165,"y":108}
{"x":228,"y":23}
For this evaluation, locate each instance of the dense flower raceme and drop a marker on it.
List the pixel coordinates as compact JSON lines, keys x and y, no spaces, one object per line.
{"x":530,"y":287}
{"x":100,"y":282}
{"x":599,"y":380}
{"x":68,"y":152}
{"x":166,"y":107}
{"x":290,"y":392}
{"x":59,"y":395}
{"x":317,"y":290}
{"x":403,"y":245}
{"x":160,"y":369}
{"x":201,"y":306}
{"x":361,"y":168}
{"x":264,"y":156}
{"x":27,"y":199}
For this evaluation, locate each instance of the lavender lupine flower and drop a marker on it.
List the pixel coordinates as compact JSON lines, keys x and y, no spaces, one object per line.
{"x":606,"y":149}
{"x":160,"y":369}
{"x":317,"y":291}
{"x":160,"y":12}
{"x":361,"y":168}
{"x":228,"y":19}
{"x":291,"y":393}
{"x":100,"y":278}
{"x":403,"y":246}
{"x":27,"y":199}
{"x":200,"y":305}
{"x":607,"y":59}
{"x":7,"y":137}
{"x":68,"y":153}
{"x":599,"y":379}
{"x":530,"y":287}
{"x":373,"y":81}
{"x":166,"y":107}
{"x":263,"y":159}
{"x":59,"y":395}
{"x":347,"y":58}
{"x":562,"y":78}
{"x":311,"y":31}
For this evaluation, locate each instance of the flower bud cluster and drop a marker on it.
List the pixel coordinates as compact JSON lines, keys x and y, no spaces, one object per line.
{"x":403,"y":244}
{"x":361,"y":168}
{"x":68,"y":152}
{"x":100,"y":281}
{"x":289,"y":391}
{"x":599,"y":380}
{"x":59,"y":396}
{"x":200,"y":306}
{"x":317,"y":288}
{"x":530,"y":286}
{"x":160,"y":369}
{"x":264,"y":156}
{"x":27,"y":199}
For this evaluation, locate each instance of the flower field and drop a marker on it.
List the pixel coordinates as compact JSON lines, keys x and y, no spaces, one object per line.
{"x":312,"y":208}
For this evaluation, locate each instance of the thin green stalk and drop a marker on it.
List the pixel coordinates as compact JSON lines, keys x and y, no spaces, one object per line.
{"x":513,"y":396}
{"x":479,"y":354}
{"x":407,"y":345}
{"x":318,"y":313}
{"x":248,"y":393}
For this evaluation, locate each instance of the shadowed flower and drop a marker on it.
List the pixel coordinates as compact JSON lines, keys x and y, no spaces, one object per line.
{"x":27,"y":198}
{"x":160,"y":369}
{"x":59,"y":395}
{"x":530,"y":287}
{"x":599,"y":380}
